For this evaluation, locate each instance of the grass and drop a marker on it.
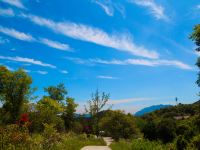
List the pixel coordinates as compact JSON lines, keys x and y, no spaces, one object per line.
{"x":139,"y":144}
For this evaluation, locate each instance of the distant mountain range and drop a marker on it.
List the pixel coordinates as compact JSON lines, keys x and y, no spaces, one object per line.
{"x":150,"y":109}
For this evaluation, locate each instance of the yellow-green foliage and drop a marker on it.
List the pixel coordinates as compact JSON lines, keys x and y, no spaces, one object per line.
{"x":13,"y":137}
{"x":140,"y":144}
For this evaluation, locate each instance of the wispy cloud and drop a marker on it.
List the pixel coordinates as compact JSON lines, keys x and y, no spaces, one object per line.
{"x":16,"y":34}
{"x":198,"y":6}
{"x":64,"y":71}
{"x":106,"y":6}
{"x":27,"y":60}
{"x":16,"y":3}
{"x":143,"y":62}
{"x":106,"y":77}
{"x":110,"y":6}
{"x":42,"y":72}
{"x":6,"y":12}
{"x":156,"y":10}
{"x":29,"y":38}
{"x":55,"y":44}
{"x":128,"y":100}
{"x":121,"y":42}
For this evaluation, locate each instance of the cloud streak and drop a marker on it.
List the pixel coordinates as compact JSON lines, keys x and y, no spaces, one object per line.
{"x":29,"y":38}
{"x":129,"y":100}
{"x":7,"y":12}
{"x":121,"y":42}
{"x":16,"y":3}
{"x":42,"y":72}
{"x":55,"y":44}
{"x":16,"y":34}
{"x":106,"y":77}
{"x":27,"y":60}
{"x":142,"y":62}
{"x":156,"y":10}
{"x":106,"y":6}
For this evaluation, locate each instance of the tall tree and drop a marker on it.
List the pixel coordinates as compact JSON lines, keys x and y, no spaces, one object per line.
{"x":56,"y":92}
{"x":95,"y":105}
{"x":14,"y":92}
{"x":195,"y":36}
{"x":69,"y":113}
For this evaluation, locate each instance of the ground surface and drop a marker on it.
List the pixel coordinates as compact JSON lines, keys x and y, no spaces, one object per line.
{"x":108,"y":141}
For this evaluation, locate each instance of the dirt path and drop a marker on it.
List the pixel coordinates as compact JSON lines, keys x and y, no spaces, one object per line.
{"x":108,"y":141}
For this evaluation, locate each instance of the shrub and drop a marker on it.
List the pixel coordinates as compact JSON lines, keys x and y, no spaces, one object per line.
{"x":196,"y":142}
{"x":14,"y":136}
{"x":181,"y":143}
{"x":51,"y":137}
{"x":150,"y":130}
{"x":166,"y":130}
{"x":118,"y":125}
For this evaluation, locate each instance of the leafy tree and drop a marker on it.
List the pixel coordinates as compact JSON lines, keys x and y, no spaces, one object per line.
{"x":150,"y":130}
{"x":166,"y":130}
{"x":195,"y":36}
{"x":118,"y":125}
{"x":56,"y":92}
{"x":95,"y":105}
{"x":14,"y":92}
{"x":47,"y":111}
{"x":69,"y":113}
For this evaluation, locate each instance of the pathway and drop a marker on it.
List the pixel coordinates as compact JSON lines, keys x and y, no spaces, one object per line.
{"x":108,"y":141}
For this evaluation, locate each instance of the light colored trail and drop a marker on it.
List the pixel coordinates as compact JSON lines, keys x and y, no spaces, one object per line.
{"x":96,"y":148}
{"x":108,"y":141}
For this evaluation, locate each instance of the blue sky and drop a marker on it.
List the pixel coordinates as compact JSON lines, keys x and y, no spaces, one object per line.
{"x":136,"y":50}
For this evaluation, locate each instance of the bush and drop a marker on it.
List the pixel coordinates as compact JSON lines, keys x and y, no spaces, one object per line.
{"x":196,"y":142}
{"x":14,"y":136}
{"x":118,"y":125}
{"x":51,"y":137}
{"x":166,"y":130}
{"x":140,"y":144}
{"x":150,"y":130}
{"x":181,"y":143}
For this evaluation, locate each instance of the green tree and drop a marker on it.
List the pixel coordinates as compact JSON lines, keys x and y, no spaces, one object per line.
{"x":47,"y":111}
{"x":195,"y":36}
{"x":95,"y":105}
{"x":166,"y":130}
{"x":118,"y":125}
{"x":69,"y":113}
{"x":56,"y":92}
{"x":14,"y":92}
{"x":149,"y":130}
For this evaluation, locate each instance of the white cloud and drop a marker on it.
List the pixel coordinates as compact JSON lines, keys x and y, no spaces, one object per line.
{"x":156,"y":10}
{"x":42,"y":72}
{"x":27,"y":60}
{"x":110,"y":6}
{"x":121,"y":42}
{"x":129,"y":100}
{"x":64,"y":71}
{"x":16,"y":34}
{"x":55,"y":44}
{"x":29,"y":38}
{"x":6,"y":12}
{"x":143,"y":62}
{"x":16,"y":3}
{"x":106,"y":6}
{"x":106,"y":77}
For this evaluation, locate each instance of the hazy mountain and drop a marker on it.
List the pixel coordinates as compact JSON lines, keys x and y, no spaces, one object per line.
{"x":150,"y":109}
